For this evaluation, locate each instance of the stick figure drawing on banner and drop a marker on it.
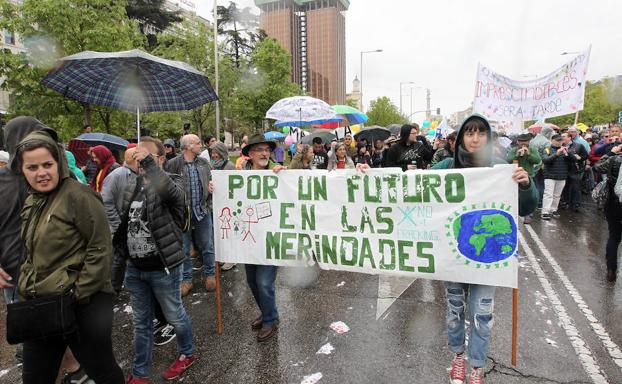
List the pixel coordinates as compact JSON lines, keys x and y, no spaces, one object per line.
{"x":250,"y":212}
{"x":225,"y":218}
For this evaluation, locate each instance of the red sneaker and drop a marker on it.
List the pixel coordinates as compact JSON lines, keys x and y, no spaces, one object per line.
{"x":136,"y":380}
{"x":178,"y":367}
{"x":476,"y":376}
{"x":457,"y":375}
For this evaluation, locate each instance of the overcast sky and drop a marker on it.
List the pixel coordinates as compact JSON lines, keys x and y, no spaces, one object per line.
{"x":437,"y":44}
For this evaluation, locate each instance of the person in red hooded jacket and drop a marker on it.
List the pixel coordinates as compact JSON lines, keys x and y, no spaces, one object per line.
{"x":106,"y":163}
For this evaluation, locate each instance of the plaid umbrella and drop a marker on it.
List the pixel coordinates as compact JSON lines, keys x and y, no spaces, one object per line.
{"x":130,"y":80}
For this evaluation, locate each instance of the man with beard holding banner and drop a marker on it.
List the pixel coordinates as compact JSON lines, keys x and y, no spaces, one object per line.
{"x":474,"y":149}
{"x":262,"y":278}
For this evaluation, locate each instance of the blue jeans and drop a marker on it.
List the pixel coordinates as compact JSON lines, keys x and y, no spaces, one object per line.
{"x":262,"y":282}
{"x":481,"y":305}
{"x":202,"y":232}
{"x":145,"y":288}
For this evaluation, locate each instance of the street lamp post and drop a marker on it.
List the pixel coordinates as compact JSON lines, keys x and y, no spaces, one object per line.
{"x":411,"y":97}
{"x":576,"y":115}
{"x":362,"y":100}
{"x":402,"y":83}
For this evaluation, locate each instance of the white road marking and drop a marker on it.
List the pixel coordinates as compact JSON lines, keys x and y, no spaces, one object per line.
{"x":610,"y":346}
{"x":583,"y":352}
{"x":390,"y":288}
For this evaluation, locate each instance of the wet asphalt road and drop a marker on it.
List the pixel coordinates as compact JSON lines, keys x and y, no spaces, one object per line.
{"x":569,"y":330}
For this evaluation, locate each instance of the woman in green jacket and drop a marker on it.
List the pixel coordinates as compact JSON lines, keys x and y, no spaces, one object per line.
{"x":65,"y":230}
{"x":474,"y":149}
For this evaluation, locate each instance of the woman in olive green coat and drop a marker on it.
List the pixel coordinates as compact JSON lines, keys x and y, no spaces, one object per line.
{"x":65,"y":230}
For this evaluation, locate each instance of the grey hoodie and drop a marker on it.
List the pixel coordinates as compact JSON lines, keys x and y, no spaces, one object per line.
{"x":13,"y":193}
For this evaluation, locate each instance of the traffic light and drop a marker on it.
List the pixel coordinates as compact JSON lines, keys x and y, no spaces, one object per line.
{"x":438,"y":111}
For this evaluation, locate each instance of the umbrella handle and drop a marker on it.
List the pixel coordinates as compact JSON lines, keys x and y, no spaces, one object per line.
{"x":138,"y":123}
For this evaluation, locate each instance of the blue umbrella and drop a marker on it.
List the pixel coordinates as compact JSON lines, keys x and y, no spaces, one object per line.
{"x":130,"y":80}
{"x":274,"y":135}
{"x":110,"y":141}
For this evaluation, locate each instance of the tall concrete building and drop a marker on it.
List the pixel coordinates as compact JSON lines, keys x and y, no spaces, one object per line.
{"x":314,"y":32}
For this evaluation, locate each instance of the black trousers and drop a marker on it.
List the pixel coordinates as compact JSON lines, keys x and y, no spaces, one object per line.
{"x":91,"y":345}
{"x":615,"y":235}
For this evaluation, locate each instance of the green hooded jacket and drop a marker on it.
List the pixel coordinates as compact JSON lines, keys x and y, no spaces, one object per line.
{"x":67,"y":237}
{"x":527,"y":196}
{"x":77,"y":172}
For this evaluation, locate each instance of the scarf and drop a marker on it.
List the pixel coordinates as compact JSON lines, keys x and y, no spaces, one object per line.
{"x":106,"y":161}
{"x":217,"y":164}
{"x":468,"y":159}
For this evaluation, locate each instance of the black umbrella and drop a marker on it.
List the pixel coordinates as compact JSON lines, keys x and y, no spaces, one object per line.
{"x":395,"y":129}
{"x":372,"y":134}
{"x":112,"y":142}
{"x":325,"y":135}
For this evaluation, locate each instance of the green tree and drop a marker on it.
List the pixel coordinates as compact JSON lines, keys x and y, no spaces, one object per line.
{"x":152,"y":13}
{"x":383,"y":112}
{"x":352,"y":103}
{"x":239,"y":28}
{"x":50,"y":31}
{"x":194,"y":44}
{"x":265,"y":83}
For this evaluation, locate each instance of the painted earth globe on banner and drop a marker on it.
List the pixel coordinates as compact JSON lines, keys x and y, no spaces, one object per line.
{"x":486,"y":235}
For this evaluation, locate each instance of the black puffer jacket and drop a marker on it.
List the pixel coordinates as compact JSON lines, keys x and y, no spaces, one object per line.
{"x":610,"y":165}
{"x":166,"y":210}
{"x":555,"y":167}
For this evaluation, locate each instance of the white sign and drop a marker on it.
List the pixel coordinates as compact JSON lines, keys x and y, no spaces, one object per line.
{"x":453,"y":225}
{"x":561,"y":92}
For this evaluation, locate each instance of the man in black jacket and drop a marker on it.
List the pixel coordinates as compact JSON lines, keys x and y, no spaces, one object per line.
{"x":411,"y":152}
{"x":578,"y":155}
{"x":556,"y":163}
{"x":154,"y":220}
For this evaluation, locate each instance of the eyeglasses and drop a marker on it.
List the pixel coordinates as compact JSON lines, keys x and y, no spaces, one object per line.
{"x":260,"y":150}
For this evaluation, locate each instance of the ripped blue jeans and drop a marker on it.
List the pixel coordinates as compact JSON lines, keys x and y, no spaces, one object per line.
{"x":481,"y":300}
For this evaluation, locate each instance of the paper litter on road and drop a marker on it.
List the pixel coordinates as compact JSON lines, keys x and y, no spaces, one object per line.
{"x":312,"y":379}
{"x":339,"y":327}
{"x":341,"y":284}
{"x":127,"y":309}
{"x":196,"y":302}
{"x":552,"y":342}
{"x":326,"y":349}
{"x":230,"y":294}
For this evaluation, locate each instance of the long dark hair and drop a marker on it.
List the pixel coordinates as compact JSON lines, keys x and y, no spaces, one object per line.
{"x":405,"y":132}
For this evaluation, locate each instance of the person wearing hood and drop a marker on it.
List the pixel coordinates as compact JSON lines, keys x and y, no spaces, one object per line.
{"x":13,"y":192}
{"x":474,"y":149}
{"x":220,"y":157}
{"x":411,"y":152}
{"x":69,"y":247}
{"x":169,"y":148}
{"x":106,"y":163}
{"x":77,"y":172}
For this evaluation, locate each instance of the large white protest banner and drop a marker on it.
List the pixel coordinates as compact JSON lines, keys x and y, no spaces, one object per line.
{"x":454,"y":225}
{"x":559,"y":93}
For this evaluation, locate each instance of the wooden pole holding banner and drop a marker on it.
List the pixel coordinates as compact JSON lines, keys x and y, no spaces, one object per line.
{"x":218,"y":303}
{"x":514,"y":324}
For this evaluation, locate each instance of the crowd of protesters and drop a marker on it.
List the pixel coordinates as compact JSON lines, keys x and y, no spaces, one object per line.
{"x":144,"y":225}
